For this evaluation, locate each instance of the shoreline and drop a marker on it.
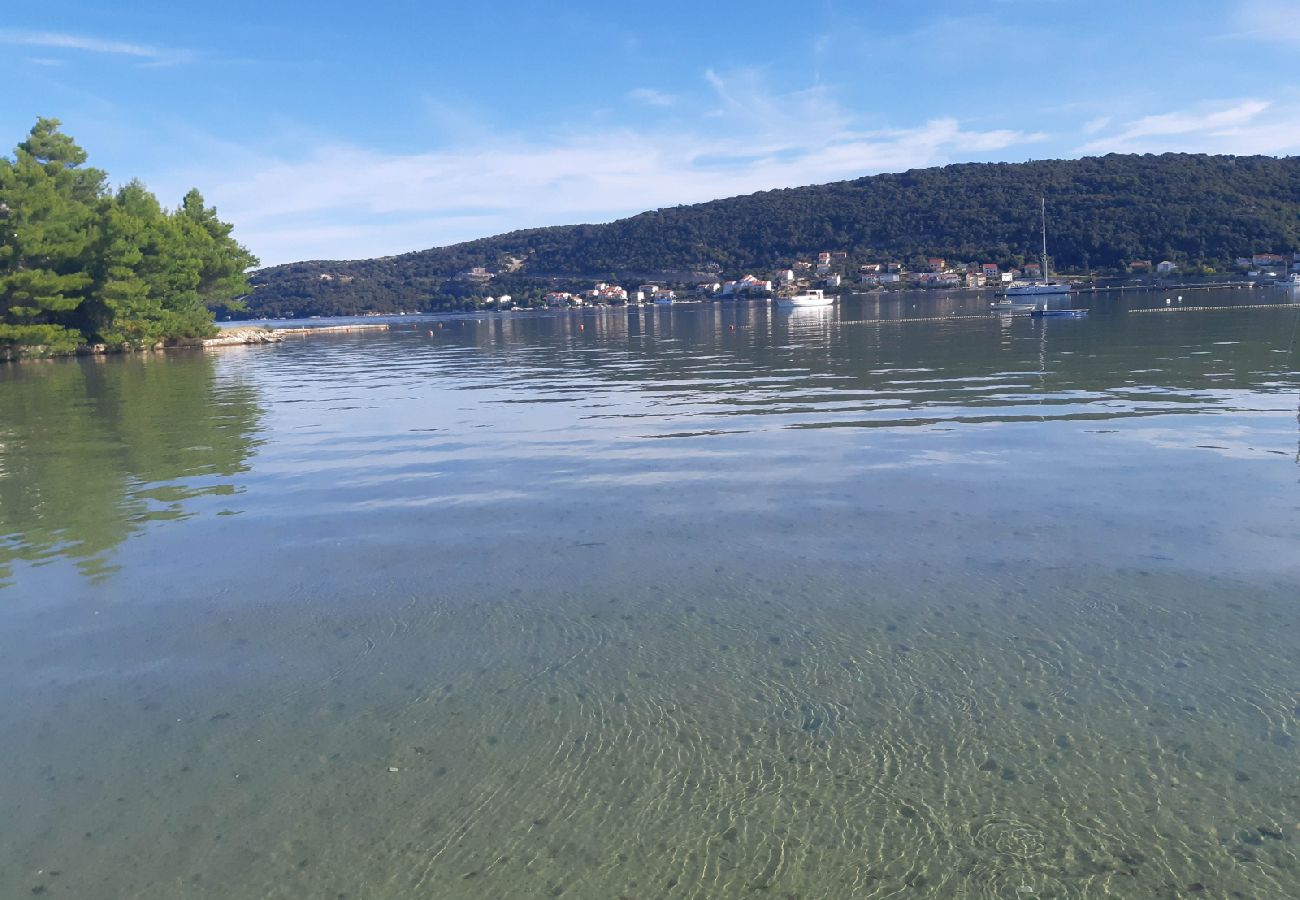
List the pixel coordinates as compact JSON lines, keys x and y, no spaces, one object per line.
{"x":240,"y":336}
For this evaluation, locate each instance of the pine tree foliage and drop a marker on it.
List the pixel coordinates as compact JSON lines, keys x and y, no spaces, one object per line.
{"x":81,"y":264}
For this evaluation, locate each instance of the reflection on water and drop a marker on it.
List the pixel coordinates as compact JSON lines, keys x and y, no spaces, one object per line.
{"x":678,"y":602}
{"x":92,"y":450}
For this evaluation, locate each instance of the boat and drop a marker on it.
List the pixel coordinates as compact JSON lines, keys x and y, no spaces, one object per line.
{"x":1058,"y":313}
{"x":1011,"y":306}
{"x":1043,"y":288}
{"x":807,"y":298}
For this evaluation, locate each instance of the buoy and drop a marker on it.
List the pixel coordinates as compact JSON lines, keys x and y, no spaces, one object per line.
{"x":1180,"y":298}
{"x":582,"y":327}
{"x":733,"y":328}
{"x":1168,"y":301}
{"x":430,"y":332}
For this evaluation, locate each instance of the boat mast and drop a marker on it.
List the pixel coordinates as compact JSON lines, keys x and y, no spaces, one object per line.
{"x":1043,"y":200}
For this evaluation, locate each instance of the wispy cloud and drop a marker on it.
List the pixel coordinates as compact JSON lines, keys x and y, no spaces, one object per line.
{"x":651,"y":97}
{"x":1243,"y":126}
{"x":1095,"y":125}
{"x":60,"y":41}
{"x":1269,"y":20}
{"x":345,"y":201}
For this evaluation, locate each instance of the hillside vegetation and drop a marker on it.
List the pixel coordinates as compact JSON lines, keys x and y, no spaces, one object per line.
{"x":1103,"y":212}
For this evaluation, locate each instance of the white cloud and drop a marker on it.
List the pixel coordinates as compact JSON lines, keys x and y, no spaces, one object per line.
{"x":345,"y":201}
{"x":59,"y":41}
{"x":1096,"y":125}
{"x":651,"y":97}
{"x":1246,"y":126}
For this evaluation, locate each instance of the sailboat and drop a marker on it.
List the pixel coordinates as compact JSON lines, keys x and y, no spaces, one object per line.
{"x":1046,"y":287}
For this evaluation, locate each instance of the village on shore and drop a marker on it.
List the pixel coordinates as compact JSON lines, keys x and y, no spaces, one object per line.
{"x":833,"y":273}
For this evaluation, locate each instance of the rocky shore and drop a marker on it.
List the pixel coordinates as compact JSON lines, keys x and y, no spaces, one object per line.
{"x":230,"y":337}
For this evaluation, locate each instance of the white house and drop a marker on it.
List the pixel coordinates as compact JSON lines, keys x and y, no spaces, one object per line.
{"x":1165,"y":267}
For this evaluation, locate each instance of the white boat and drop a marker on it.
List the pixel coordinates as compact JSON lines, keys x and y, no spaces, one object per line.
{"x":1037,"y":289}
{"x":1011,"y":306}
{"x":807,"y":298}
{"x":1043,"y":288}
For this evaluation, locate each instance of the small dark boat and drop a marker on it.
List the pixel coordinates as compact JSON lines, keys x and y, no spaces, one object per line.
{"x":1059,"y":313}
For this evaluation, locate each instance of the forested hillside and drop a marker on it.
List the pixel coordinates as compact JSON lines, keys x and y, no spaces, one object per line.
{"x":1103,"y":213}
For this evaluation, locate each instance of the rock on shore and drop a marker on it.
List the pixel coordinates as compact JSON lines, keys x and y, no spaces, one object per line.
{"x":231,"y":337}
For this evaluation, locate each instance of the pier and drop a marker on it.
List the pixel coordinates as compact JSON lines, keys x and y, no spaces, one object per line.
{"x":298,"y":331}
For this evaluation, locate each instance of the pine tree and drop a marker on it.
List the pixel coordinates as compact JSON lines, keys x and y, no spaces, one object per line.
{"x":50,"y":211}
{"x":78,"y":264}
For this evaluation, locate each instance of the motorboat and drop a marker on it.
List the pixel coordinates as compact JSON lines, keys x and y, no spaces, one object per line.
{"x":807,"y":298}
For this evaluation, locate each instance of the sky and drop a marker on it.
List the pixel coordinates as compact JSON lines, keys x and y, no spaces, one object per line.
{"x":333,"y":130}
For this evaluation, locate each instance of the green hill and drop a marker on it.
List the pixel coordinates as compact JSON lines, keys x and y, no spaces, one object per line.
{"x":1103,"y":212}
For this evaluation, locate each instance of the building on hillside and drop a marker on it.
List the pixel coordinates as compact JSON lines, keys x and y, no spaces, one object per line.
{"x":1033,"y":270}
{"x":870,"y":268}
{"x":746,"y":284}
{"x":938,"y":279}
{"x":785,"y":276}
{"x":1145,"y":265}
{"x":1267,"y":259}
{"x":833,"y":280}
{"x":1164,"y":267}
{"x":990,"y":270}
{"x":937,"y":264}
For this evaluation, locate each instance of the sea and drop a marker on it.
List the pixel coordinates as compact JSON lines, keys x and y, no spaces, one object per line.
{"x":899,"y":598}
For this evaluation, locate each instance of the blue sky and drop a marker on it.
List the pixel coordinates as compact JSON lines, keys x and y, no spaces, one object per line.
{"x":348,"y":130}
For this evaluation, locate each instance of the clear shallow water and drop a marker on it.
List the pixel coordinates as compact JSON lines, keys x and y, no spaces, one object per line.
{"x":652,"y":607}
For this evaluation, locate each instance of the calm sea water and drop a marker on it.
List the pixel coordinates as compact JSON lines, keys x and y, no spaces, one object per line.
{"x":678,"y":602}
